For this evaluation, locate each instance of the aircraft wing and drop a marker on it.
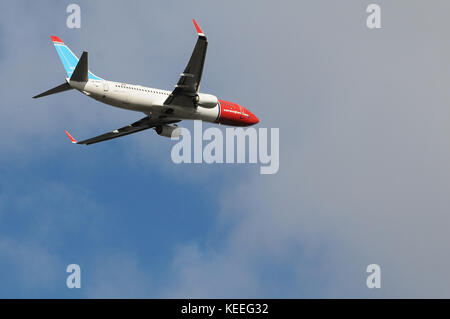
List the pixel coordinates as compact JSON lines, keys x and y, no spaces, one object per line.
{"x":187,"y":87}
{"x":142,"y":124}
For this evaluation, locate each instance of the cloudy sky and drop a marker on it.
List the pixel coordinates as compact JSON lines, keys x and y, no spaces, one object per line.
{"x":364,"y":119}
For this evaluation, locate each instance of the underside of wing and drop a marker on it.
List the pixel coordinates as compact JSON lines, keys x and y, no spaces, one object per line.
{"x":142,"y":124}
{"x":188,"y":85}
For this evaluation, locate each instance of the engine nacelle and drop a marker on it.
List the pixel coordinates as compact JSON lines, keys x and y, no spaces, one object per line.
{"x":168,"y":130}
{"x":208,"y":101}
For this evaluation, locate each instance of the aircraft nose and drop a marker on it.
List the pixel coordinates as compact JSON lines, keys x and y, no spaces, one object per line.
{"x":252,"y":119}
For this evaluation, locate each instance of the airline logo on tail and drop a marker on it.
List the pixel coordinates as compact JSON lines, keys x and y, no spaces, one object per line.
{"x":68,"y":58}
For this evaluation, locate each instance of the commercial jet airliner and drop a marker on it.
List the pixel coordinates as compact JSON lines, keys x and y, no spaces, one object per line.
{"x":162,"y":108}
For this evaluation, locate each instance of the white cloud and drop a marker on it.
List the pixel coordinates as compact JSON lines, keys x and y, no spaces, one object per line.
{"x":363,"y":174}
{"x":118,"y":275}
{"x":30,"y":267}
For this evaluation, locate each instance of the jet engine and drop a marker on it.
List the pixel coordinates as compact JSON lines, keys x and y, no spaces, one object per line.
{"x":206,"y":100}
{"x":168,"y":130}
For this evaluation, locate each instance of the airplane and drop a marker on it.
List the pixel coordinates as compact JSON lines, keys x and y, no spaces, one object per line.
{"x":162,"y":108}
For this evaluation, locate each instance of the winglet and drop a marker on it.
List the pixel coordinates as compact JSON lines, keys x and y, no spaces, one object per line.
{"x":70,"y":137}
{"x":199,"y":31}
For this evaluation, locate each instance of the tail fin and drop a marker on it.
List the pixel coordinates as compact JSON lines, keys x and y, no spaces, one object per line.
{"x":68,"y":58}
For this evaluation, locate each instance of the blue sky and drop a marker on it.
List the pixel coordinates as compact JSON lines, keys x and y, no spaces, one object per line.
{"x":364,"y":125}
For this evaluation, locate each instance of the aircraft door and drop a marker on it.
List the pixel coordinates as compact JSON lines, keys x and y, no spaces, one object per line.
{"x":105,"y":86}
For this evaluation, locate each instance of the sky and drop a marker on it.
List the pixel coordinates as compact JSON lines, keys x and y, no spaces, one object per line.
{"x":364,"y":175}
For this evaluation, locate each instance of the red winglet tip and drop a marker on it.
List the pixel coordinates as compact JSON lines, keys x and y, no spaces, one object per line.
{"x":199,"y":31}
{"x":70,"y":137}
{"x":56,"y":39}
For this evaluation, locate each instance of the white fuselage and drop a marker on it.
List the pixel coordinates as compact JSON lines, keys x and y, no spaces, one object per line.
{"x":138,"y":98}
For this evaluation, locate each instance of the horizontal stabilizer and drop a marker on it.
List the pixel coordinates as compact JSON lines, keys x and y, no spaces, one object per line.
{"x":60,"y":88}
